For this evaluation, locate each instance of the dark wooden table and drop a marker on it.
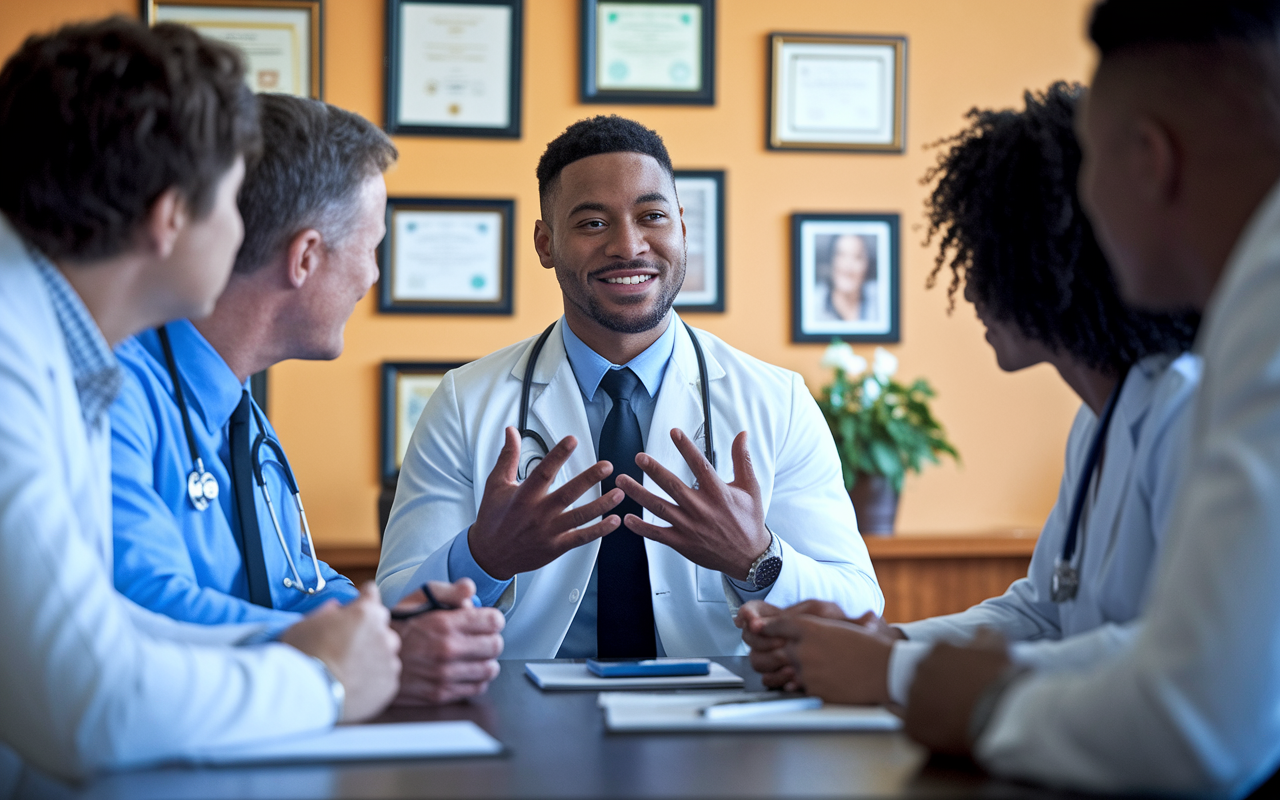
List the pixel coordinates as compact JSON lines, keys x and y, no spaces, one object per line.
{"x":557,"y":747}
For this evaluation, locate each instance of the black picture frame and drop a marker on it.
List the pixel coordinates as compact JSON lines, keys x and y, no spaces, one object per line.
{"x":149,"y":12}
{"x":713,"y":300}
{"x":775,"y":135}
{"x":589,"y":90}
{"x":393,"y":81}
{"x":392,"y":416}
{"x":812,"y":310}
{"x":389,"y":303}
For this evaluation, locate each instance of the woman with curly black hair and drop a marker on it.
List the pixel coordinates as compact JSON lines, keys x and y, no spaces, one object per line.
{"x":1010,"y":228}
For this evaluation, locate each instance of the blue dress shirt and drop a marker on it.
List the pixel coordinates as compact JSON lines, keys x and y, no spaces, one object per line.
{"x":589,"y":367}
{"x":170,"y":557}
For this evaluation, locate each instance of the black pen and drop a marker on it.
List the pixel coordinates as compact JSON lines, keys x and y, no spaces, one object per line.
{"x":432,"y":604}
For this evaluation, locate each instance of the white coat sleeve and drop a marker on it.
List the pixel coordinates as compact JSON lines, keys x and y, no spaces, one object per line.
{"x":1194,"y":705}
{"x":823,"y":554}
{"x":435,"y":499}
{"x":81,"y":687}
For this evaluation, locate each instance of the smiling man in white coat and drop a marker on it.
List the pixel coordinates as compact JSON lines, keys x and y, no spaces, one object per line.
{"x":656,"y":478}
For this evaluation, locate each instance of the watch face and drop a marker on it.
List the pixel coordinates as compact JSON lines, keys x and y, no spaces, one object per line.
{"x":767,"y":572}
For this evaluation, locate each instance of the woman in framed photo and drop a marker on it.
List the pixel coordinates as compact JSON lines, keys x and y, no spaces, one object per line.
{"x":847,"y":288}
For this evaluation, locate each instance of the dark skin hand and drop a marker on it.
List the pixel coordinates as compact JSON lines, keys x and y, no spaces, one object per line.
{"x":719,"y":525}
{"x":947,"y":686}
{"x":773,"y":656}
{"x":521,"y":527}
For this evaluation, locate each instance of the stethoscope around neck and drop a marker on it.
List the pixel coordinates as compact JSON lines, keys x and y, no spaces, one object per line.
{"x":202,"y":487}
{"x":526,"y":465}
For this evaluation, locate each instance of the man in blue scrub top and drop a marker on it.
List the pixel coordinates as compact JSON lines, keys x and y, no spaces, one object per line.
{"x":313,"y":210}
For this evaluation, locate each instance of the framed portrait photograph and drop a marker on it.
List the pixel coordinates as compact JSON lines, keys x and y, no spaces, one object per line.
{"x":454,"y":69}
{"x":649,"y":51}
{"x":447,"y":256}
{"x":406,"y":388}
{"x":282,"y":40}
{"x":844,"y":277}
{"x":701,"y":194}
{"x":837,"y":92}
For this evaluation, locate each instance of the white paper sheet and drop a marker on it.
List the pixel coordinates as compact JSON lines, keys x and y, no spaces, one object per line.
{"x":562,"y":675}
{"x":403,"y":740}
{"x":629,"y":712}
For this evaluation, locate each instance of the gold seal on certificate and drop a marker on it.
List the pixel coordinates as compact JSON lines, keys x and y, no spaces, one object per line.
{"x":648,"y":52}
{"x":280,"y":39}
{"x":447,"y":256}
{"x":454,"y":68}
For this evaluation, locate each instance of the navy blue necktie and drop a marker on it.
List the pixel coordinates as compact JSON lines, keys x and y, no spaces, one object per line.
{"x":624,"y":607}
{"x":255,"y":566}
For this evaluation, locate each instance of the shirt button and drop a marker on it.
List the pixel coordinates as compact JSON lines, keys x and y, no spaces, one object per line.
{"x":574,"y":595}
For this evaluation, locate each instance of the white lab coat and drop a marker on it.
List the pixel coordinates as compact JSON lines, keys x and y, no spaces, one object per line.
{"x":1120,"y":535}
{"x":460,"y":434}
{"x":1194,"y":703}
{"x":88,"y":680}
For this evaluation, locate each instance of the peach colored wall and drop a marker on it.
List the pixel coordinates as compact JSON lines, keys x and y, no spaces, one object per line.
{"x":1010,"y":429}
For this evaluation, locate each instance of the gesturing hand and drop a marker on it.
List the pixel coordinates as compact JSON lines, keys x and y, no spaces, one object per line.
{"x":448,"y":655}
{"x":719,"y":525}
{"x":521,"y":527}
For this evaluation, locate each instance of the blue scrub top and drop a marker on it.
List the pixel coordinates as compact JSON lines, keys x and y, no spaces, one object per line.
{"x":170,"y":557}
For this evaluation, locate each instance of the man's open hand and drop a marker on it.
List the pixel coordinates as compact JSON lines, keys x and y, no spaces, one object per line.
{"x":521,"y":526}
{"x":448,"y":655}
{"x":719,"y":525}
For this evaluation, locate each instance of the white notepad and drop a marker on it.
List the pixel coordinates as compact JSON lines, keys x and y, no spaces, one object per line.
{"x":565,"y":675}
{"x":680,"y":712}
{"x":402,"y":740}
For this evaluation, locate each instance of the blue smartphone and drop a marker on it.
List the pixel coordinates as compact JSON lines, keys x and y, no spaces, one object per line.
{"x":649,"y":668}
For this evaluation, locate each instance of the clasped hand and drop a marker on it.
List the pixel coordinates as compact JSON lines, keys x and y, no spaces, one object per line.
{"x":448,"y":655}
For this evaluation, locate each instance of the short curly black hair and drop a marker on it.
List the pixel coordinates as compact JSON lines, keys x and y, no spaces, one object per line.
{"x":592,"y":137}
{"x":1009,"y":224}
{"x":1117,"y":25}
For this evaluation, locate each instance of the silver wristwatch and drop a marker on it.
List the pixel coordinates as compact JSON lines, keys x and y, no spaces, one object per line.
{"x":765,"y":569}
{"x":336,"y":690}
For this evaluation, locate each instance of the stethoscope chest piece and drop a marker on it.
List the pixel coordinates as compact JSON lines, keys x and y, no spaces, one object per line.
{"x":202,"y":487}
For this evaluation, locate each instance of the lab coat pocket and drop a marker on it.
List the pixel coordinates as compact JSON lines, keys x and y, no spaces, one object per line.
{"x":710,"y":587}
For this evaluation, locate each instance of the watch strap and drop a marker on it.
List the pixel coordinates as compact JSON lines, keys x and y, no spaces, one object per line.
{"x":337,"y":691}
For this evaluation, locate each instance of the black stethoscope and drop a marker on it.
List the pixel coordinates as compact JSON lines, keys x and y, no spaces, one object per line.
{"x":1066,"y":578}
{"x":202,"y":487}
{"x":527,"y":433}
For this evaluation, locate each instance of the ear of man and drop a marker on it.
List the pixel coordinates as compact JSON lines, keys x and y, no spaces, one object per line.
{"x":304,"y":256}
{"x":165,"y":221}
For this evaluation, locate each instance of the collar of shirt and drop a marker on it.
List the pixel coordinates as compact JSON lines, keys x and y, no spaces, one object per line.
{"x":214,"y":391}
{"x":589,"y":366}
{"x":93,"y":366}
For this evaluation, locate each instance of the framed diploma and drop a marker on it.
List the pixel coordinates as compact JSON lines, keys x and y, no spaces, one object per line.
{"x":649,"y":51}
{"x":406,"y":388}
{"x":447,"y":256}
{"x":844,"y":277}
{"x":281,"y":39}
{"x":833,"y":92}
{"x":453,"y":69}
{"x":701,"y":195}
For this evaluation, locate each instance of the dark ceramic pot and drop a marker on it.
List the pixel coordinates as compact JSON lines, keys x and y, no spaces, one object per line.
{"x":876,"y":504}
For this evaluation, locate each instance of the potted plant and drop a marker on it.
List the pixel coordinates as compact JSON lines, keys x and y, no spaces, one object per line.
{"x":882,"y":428}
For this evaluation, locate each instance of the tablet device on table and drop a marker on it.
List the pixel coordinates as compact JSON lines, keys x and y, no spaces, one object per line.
{"x":648,"y":668}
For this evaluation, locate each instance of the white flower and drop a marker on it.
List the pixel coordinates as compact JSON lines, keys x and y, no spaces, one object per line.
{"x":870,"y":390}
{"x":841,"y":356}
{"x":885,"y":364}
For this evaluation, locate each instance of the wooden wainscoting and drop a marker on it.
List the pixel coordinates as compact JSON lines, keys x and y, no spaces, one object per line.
{"x":924,"y":576}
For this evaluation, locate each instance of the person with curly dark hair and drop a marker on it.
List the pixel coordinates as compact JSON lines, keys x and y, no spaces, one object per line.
{"x":1010,"y":227}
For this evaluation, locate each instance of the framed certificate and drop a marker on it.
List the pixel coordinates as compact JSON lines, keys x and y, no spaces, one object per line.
{"x":453,"y":69}
{"x":649,"y":51}
{"x":445,"y":256}
{"x":832,"y":92}
{"x":281,"y":40}
{"x":844,"y":277}
{"x":701,"y":194}
{"x":406,"y":388}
